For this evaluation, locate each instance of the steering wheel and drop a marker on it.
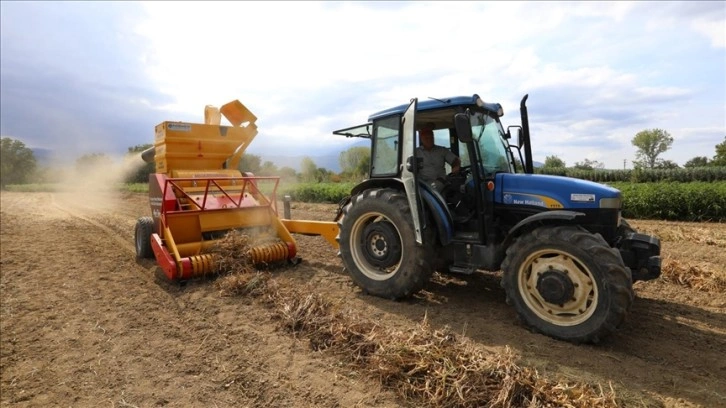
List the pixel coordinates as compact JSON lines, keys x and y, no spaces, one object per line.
{"x":460,"y":176}
{"x":453,"y":181}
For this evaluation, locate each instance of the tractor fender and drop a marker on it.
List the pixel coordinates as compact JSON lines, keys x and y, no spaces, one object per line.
{"x":431,"y":198}
{"x":394,"y":183}
{"x":537,"y":220}
{"x":436,"y":206}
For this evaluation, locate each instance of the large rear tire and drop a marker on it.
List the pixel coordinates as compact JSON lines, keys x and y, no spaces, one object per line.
{"x":567,"y":283}
{"x":142,"y":237}
{"x":378,"y":245}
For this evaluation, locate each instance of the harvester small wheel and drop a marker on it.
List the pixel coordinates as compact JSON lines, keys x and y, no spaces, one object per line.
{"x":378,"y":245}
{"x":567,"y":283}
{"x":142,"y":237}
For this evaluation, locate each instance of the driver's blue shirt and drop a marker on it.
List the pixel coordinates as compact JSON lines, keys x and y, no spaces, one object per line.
{"x":434,"y":161}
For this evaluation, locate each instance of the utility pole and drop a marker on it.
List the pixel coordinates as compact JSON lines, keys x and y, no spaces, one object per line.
{"x":624,"y":161}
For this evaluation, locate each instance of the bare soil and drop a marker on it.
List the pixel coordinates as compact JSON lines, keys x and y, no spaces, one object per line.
{"x":83,"y":323}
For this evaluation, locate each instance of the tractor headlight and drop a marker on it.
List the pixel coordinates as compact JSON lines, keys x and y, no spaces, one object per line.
{"x":610,"y":202}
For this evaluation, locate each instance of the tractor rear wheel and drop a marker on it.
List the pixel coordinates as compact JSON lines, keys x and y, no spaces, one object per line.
{"x":142,"y":237}
{"x":378,"y":245}
{"x":567,"y":283}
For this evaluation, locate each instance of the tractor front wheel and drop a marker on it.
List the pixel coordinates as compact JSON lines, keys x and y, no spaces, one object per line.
{"x":567,"y":283}
{"x":142,"y":237}
{"x":378,"y":245}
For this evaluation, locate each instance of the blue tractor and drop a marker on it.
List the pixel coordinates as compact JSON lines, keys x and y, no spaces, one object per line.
{"x":568,"y":258}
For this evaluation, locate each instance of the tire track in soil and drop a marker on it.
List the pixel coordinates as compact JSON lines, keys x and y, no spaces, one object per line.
{"x":83,"y":324}
{"x":116,"y":330}
{"x":122,"y":241}
{"x":671,"y":346}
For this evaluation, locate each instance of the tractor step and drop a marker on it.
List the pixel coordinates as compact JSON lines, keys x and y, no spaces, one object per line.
{"x":466,"y":236}
{"x":462,"y":270}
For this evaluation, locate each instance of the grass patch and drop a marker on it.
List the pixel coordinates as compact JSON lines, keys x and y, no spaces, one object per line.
{"x":34,"y":188}
{"x":58,"y":187}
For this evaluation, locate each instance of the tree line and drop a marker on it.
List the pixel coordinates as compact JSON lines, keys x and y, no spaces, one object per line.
{"x":19,"y":165}
{"x":650,"y":144}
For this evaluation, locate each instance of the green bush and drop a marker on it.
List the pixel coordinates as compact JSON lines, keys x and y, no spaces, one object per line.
{"x":672,"y":200}
{"x":684,"y":175}
{"x":696,"y":201}
{"x":317,"y":192}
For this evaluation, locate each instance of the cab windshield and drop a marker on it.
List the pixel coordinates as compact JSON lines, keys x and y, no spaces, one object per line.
{"x":493,"y":148}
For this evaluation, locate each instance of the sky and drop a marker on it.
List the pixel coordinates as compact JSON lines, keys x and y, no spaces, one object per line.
{"x":97,"y":77}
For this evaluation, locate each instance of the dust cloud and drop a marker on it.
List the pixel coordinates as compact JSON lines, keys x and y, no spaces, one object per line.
{"x":96,"y":183}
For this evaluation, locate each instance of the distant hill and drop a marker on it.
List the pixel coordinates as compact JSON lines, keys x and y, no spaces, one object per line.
{"x":327,"y":159}
{"x":329,"y":162}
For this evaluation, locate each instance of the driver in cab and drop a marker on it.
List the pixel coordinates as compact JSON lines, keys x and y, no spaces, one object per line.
{"x":434,"y":158}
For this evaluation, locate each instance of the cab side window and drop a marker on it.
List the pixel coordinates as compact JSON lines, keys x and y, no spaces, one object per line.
{"x":384,"y":157}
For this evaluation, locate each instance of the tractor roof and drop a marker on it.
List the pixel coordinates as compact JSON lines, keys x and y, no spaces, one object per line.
{"x":439,"y":103}
{"x":430,"y":105}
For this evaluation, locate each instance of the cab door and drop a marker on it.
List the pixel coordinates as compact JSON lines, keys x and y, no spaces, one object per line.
{"x":409,"y":171}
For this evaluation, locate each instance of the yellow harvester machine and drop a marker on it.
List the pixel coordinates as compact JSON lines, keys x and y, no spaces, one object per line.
{"x":197,"y":195}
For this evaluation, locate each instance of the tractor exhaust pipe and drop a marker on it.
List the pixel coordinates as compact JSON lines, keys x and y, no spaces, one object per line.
{"x":528,"y":165}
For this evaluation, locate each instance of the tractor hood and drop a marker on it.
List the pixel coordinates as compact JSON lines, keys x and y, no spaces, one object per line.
{"x":553,"y":192}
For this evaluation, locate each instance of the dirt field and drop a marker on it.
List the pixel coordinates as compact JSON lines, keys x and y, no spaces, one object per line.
{"x":82,"y":323}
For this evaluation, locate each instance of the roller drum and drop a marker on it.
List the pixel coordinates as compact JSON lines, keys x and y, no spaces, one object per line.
{"x":269,"y":253}
{"x":202,"y":264}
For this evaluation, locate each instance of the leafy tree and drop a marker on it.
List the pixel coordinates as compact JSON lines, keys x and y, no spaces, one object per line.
{"x":92,"y":162}
{"x":518,"y":164}
{"x":553,"y":162}
{"x":141,"y":174}
{"x":667,"y":164}
{"x":17,"y":162}
{"x":269,"y":169}
{"x":322,"y":174}
{"x":287,"y":172}
{"x":698,"y":161}
{"x":720,"y":158}
{"x":651,"y":143}
{"x":588,"y":164}
{"x":364,"y":167}
{"x":250,"y":163}
{"x":355,"y":161}
{"x":308,"y":169}
{"x":139,"y":148}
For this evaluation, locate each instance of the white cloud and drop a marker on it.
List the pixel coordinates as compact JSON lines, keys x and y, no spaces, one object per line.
{"x":596,"y":72}
{"x":270,"y":53}
{"x":713,"y":30}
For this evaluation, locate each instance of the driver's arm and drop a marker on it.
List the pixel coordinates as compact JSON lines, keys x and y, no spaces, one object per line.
{"x":453,"y":160}
{"x":456,"y":165}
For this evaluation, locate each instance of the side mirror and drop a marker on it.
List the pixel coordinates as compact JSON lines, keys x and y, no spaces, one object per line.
{"x":463,"y":127}
{"x":515,"y":132}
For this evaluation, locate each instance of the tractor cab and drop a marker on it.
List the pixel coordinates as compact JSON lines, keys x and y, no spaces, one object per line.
{"x":459,"y":198}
